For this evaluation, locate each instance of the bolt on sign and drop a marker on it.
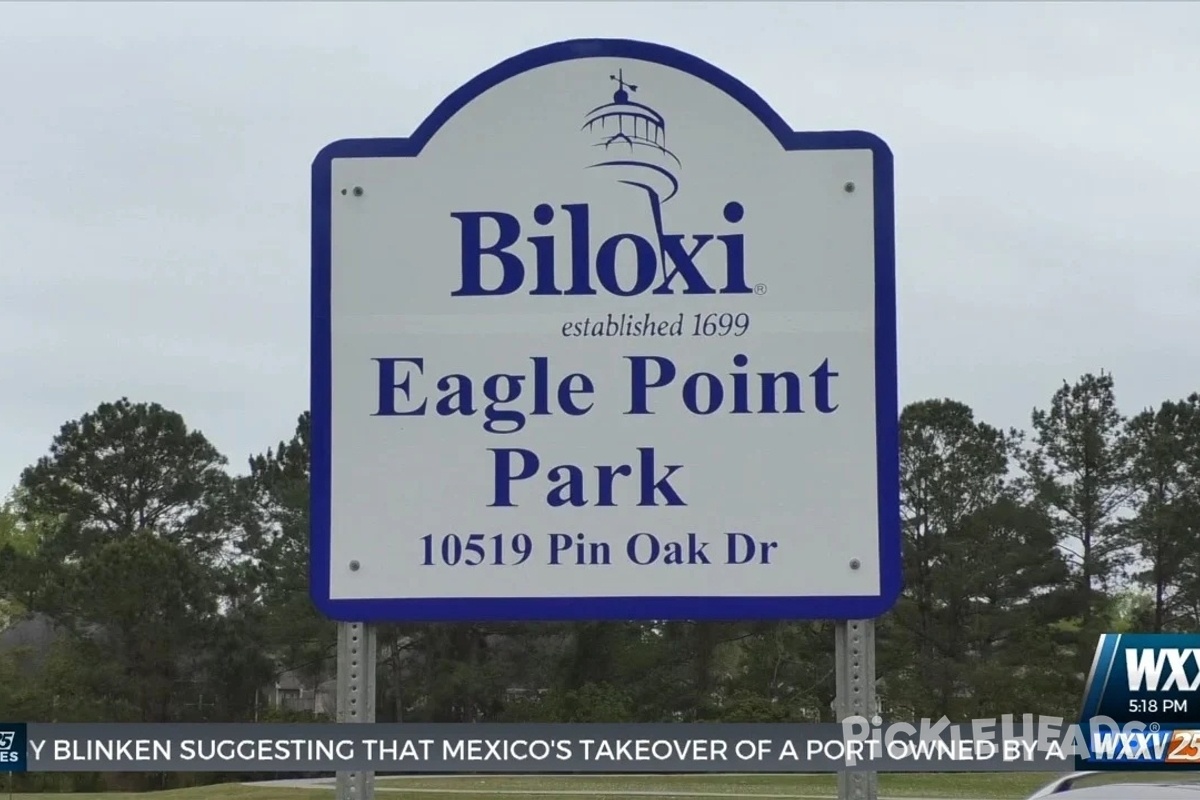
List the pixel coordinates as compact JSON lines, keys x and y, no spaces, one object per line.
{"x":604,"y":339}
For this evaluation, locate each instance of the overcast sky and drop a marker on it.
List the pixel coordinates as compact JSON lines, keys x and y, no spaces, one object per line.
{"x":155,"y":183}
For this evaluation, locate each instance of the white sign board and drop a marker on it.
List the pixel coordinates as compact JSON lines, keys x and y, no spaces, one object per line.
{"x":604,"y":339}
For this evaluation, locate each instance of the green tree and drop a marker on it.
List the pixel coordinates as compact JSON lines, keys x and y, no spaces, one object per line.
{"x":786,"y":672}
{"x":179,"y":592}
{"x":19,"y":540}
{"x":1078,"y":466}
{"x":1165,"y":478}
{"x":976,"y":556}
{"x":134,"y":507}
{"x":145,"y":603}
{"x":274,"y":513}
{"x":126,"y":468}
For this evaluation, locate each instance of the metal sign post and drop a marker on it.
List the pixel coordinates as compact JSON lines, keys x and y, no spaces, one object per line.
{"x":855,"y":668}
{"x":356,"y":697}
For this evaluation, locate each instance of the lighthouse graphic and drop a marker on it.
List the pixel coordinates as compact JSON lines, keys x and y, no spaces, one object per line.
{"x":631,"y":142}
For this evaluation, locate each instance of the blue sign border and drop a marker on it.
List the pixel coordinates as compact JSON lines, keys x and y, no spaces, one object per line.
{"x":610,"y":608}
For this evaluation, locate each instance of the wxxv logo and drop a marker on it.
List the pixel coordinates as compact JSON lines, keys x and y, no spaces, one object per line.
{"x":631,"y":140}
{"x":1154,"y":746}
{"x":1145,"y":686}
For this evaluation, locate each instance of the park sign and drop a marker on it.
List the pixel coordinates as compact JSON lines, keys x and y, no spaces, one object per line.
{"x":604,"y":339}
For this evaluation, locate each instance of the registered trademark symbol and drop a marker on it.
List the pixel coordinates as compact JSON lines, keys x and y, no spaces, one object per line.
{"x":1154,"y":726}
{"x":760,"y":288}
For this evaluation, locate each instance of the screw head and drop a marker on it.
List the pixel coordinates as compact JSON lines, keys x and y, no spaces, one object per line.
{"x":849,"y":187}
{"x":855,"y":563}
{"x":358,"y":191}
{"x":354,"y":565}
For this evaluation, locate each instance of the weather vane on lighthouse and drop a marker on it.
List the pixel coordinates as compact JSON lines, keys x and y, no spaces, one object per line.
{"x":633,"y":138}
{"x":621,"y":96}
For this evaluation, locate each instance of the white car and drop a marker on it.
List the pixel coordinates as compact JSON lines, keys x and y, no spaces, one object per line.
{"x":1130,"y":786}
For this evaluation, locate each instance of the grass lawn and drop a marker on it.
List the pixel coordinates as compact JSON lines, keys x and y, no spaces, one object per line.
{"x":231,"y":791}
{"x":985,"y":786}
{"x":964,"y":785}
{"x":981,"y":786}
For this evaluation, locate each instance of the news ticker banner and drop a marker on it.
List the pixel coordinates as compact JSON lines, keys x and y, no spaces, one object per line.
{"x":1007,"y":744}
